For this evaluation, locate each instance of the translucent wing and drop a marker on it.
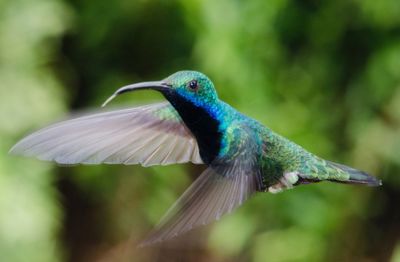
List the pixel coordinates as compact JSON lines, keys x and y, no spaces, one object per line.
{"x":149,"y":135}
{"x":221,"y":188}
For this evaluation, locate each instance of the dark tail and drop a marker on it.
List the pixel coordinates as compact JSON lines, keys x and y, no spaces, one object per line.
{"x":356,"y":176}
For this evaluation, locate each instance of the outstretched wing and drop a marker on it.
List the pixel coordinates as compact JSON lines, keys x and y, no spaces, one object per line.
{"x":149,"y":135}
{"x":222,"y":187}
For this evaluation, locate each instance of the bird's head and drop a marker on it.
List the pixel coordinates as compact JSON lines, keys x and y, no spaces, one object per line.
{"x":194,"y":87}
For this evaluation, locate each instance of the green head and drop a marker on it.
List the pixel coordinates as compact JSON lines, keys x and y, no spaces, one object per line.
{"x":192,"y":86}
{"x":193,"y":96}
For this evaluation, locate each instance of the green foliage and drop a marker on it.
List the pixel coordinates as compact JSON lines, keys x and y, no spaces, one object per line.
{"x":326,"y":74}
{"x":30,"y":94}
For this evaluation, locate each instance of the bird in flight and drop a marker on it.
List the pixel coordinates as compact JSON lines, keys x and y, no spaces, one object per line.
{"x":242,"y":155}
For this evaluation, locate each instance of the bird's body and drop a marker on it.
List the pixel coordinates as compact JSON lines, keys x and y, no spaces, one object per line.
{"x":243,"y":156}
{"x":218,"y":127}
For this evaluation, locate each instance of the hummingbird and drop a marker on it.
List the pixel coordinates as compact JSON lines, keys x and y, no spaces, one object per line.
{"x":242,"y":155}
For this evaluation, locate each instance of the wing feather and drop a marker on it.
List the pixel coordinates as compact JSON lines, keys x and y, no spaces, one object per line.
{"x":222,"y":187}
{"x":148,"y":135}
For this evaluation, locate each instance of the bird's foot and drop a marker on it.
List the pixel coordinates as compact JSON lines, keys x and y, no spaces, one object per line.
{"x":285,"y":182}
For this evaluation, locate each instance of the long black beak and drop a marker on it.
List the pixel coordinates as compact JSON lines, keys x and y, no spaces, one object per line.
{"x":155,"y":85}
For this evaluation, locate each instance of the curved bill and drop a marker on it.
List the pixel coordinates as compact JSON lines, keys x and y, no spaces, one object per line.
{"x":155,"y":85}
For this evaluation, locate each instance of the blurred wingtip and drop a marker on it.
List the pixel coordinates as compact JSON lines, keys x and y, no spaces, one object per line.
{"x":15,"y":150}
{"x":156,"y":238}
{"x":161,"y":234}
{"x":153,"y":239}
{"x":11,"y":151}
{"x":145,"y":243}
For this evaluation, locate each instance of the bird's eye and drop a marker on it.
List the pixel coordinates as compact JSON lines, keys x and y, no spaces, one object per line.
{"x":193,"y":85}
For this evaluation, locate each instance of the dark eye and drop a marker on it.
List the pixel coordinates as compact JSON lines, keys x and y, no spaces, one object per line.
{"x":193,"y":85}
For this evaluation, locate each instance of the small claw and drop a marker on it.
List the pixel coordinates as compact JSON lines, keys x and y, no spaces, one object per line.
{"x":275,"y":190}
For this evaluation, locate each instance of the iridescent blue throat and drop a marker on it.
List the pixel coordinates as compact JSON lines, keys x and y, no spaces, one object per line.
{"x":203,"y":120}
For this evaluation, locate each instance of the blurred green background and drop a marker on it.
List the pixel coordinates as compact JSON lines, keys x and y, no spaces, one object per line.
{"x":325,"y":74}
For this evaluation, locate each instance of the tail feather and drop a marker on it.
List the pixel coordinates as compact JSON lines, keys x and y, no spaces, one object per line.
{"x":356,"y":176}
